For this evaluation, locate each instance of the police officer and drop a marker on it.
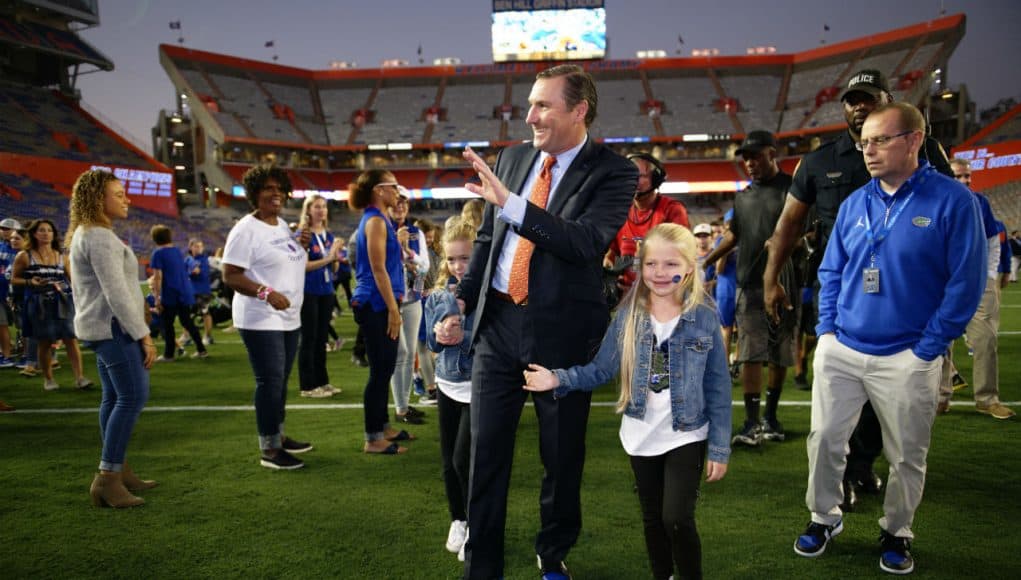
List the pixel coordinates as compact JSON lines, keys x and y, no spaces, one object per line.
{"x":825,"y":178}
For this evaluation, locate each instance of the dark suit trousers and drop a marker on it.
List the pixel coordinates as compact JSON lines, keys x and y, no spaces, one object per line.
{"x":502,"y":353}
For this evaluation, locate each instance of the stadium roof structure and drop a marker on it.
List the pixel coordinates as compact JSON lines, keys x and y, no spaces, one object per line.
{"x":652,"y":100}
{"x":22,"y":35}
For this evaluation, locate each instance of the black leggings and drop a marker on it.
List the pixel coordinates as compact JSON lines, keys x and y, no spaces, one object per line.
{"x":455,"y":448}
{"x":382,"y":355}
{"x":667,"y":490}
{"x":182,"y":312}
{"x":315,"y":319}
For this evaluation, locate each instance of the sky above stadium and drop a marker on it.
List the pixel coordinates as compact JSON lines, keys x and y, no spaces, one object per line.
{"x":312,"y":33}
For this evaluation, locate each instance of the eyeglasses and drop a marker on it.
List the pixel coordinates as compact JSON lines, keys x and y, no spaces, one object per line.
{"x":880,"y":142}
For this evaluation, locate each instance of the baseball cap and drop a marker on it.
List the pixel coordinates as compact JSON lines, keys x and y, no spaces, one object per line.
{"x":10,"y":224}
{"x":756,"y":141}
{"x":869,"y":81}
{"x":701,"y":229}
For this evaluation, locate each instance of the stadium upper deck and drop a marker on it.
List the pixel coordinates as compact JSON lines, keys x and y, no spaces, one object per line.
{"x":657,"y":100}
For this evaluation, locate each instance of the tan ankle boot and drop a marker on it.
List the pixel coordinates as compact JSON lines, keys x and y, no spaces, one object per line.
{"x":135,"y":483}
{"x":108,"y":490}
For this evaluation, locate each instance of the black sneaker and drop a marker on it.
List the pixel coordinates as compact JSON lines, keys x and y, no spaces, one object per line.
{"x":801,"y":382}
{"x":772,"y":429}
{"x":750,"y":435}
{"x":813,"y":542}
{"x":291,"y":446}
{"x":282,"y":460}
{"x":896,"y":558}
{"x":409,"y":419}
{"x":413,"y":412}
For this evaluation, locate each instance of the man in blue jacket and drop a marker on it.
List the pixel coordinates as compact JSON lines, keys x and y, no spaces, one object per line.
{"x":902,"y":275}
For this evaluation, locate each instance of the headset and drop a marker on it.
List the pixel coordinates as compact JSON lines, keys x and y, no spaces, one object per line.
{"x":658,"y":172}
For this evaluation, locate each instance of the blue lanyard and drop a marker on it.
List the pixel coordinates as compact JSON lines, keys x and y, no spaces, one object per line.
{"x":875,"y":239}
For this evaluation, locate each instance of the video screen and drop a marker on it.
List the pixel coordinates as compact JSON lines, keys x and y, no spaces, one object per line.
{"x":575,"y":34}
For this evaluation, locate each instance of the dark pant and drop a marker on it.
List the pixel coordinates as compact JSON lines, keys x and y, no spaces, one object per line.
{"x":271,"y":354}
{"x":504,"y":349}
{"x":381,"y":351}
{"x":315,"y":320}
{"x":182,"y":312}
{"x":125,"y":392}
{"x":455,"y":446}
{"x":667,"y":492}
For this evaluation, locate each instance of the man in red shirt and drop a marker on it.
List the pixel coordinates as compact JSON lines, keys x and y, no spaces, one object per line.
{"x":648,"y":210}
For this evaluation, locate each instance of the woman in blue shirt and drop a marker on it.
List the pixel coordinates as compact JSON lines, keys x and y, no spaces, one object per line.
{"x":173,"y":292}
{"x":376,"y":301}
{"x":317,"y":307}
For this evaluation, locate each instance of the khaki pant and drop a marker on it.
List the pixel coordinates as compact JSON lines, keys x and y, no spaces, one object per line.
{"x":982,"y":331}
{"x":904,"y":390}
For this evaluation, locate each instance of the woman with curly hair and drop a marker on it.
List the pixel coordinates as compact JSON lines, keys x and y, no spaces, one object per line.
{"x":265,"y":266}
{"x":111,"y":317}
{"x":49,"y":307}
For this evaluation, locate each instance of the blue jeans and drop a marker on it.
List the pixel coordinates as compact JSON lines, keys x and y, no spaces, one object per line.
{"x":271,"y":354}
{"x":382,"y":354}
{"x":125,"y":391}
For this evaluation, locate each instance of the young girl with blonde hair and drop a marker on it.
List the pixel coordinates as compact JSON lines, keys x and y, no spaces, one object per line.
{"x":675,"y":393}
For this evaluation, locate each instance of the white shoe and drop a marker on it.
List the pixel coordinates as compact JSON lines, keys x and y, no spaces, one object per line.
{"x":316,"y":393}
{"x":456,"y":536}
{"x":460,"y":553}
{"x":50,"y":385}
{"x":332,"y":390}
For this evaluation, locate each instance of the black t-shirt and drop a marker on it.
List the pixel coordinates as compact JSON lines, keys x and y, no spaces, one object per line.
{"x":756,"y":211}
{"x":827,"y":176}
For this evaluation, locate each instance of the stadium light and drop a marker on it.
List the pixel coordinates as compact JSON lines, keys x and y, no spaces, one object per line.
{"x":650,"y":54}
{"x":182,"y":191}
{"x":176,"y":119}
{"x":179,"y":168}
{"x":399,"y":146}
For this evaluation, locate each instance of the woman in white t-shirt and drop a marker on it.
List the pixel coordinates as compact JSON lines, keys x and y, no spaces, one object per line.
{"x":265,"y":265}
{"x":675,"y":394}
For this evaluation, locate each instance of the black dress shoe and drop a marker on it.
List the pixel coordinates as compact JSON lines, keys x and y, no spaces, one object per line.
{"x":869,"y":483}
{"x":850,"y":498}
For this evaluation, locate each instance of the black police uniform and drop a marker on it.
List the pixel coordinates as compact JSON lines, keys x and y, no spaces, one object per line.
{"x":825,"y":178}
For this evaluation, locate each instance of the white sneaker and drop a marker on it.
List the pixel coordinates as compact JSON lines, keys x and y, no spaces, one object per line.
{"x":332,"y":390}
{"x":50,"y":385}
{"x":456,"y":536}
{"x":460,"y":553}
{"x":316,"y":393}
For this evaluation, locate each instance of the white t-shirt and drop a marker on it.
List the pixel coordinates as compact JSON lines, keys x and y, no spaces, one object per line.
{"x":654,"y":434}
{"x":460,"y":392}
{"x":270,"y":257}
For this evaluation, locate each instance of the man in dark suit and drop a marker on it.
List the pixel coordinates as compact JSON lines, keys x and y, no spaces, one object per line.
{"x":553,"y":208}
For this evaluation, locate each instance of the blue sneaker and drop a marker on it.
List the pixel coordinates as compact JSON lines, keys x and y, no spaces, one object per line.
{"x":553,"y":570}
{"x":6,"y":363}
{"x":896,"y":558}
{"x":419,"y":386}
{"x":813,"y":542}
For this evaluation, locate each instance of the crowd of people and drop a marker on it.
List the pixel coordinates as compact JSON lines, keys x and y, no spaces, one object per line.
{"x":571,"y":269}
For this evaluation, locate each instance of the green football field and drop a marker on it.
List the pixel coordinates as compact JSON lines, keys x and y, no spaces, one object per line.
{"x":218,"y":514}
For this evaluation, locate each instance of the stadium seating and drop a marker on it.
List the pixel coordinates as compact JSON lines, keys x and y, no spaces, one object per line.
{"x":39,"y":122}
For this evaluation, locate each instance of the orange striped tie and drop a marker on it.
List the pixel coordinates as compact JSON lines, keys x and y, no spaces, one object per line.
{"x":517,"y":285}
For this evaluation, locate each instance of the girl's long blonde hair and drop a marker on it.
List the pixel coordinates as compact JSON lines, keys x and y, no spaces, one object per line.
{"x":307,"y":206}
{"x":690,"y":293}
{"x":88,"y":198}
{"x":456,"y":229}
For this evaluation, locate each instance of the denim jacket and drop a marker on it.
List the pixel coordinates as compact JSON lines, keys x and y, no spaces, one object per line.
{"x":453,"y":363}
{"x":699,"y":378}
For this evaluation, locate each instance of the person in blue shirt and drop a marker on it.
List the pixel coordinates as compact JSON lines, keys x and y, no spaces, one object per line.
{"x":173,"y":292}
{"x":675,"y":394}
{"x":984,"y":326}
{"x":196,"y":262}
{"x":903,"y":273}
{"x":317,"y":306}
{"x":7,"y":228}
{"x":379,"y":271}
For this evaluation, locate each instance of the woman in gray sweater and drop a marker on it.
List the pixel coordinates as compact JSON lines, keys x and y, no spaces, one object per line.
{"x":110,"y":318}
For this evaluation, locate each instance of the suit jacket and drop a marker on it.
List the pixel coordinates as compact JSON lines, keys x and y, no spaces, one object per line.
{"x":566,"y":304}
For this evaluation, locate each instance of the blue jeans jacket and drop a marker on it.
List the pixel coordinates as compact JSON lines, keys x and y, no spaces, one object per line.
{"x":699,"y":379}
{"x":453,"y":363}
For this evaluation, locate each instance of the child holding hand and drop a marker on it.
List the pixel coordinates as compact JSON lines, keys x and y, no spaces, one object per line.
{"x":675,"y":394}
